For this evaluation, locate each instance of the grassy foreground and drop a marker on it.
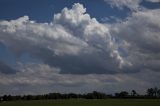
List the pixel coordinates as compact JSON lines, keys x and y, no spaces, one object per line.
{"x":84,"y":102}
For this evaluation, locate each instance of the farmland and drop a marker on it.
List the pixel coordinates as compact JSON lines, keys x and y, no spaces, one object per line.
{"x":85,"y":102}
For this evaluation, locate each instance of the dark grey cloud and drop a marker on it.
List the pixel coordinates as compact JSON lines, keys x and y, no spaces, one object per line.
{"x":140,"y":32}
{"x":5,"y":69}
{"x":50,"y":79}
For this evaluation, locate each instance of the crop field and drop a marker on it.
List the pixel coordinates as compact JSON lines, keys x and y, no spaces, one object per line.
{"x":84,"y":102}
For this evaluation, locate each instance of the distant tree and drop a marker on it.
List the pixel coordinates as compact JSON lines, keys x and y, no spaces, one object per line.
{"x":133,"y":93}
{"x":9,"y":98}
{"x":158,"y":92}
{"x":155,"y":91}
{"x":95,"y":95}
{"x":72,"y":95}
{"x":150,"y":92}
{"x":1,"y":99}
{"x":121,"y":94}
{"x":124,"y":93}
{"x":5,"y":98}
{"x":54,"y":96}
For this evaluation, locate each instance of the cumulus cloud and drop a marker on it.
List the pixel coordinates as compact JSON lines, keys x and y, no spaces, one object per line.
{"x":134,"y":5}
{"x":131,"y":4}
{"x":76,"y":46}
{"x":74,"y":41}
{"x":154,"y":1}
{"x":23,"y":30}
{"x":141,"y":33}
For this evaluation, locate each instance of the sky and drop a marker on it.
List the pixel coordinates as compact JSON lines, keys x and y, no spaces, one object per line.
{"x":79,"y":46}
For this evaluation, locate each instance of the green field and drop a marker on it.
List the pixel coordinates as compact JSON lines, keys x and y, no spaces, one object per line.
{"x":84,"y":102}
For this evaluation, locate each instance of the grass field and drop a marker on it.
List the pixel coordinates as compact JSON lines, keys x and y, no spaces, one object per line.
{"x":83,"y":102}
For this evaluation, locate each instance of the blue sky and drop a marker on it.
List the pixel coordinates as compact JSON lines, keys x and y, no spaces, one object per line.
{"x":43,"y":11}
{"x":73,"y":45}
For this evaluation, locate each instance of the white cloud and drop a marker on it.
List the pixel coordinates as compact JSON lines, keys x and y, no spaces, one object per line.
{"x":81,"y":25}
{"x":141,"y":32}
{"x":73,"y":32}
{"x":154,"y":1}
{"x":89,"y":52}
{"x":75,"y":38}
{"x":39,"y":34}
{"x":131,"y":4}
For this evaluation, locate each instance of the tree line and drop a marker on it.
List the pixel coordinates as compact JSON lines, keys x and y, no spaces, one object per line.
{"x":150,"y":94}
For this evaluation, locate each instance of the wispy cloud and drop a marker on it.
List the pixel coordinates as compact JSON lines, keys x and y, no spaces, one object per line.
{"x":131,"y":4}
